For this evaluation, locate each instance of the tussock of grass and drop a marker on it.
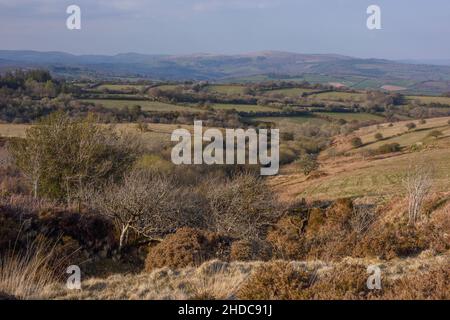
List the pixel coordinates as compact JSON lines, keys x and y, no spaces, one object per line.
{"x":25,"y":275}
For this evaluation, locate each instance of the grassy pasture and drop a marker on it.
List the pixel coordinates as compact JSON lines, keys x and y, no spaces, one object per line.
{"x":351,"y":116}
{"x":145,"y":104}
{"x":337,"y":96}
{"x":243,"y":107}
{"x":429,"y":99}
{"x":381,"y":177}
{"x":399,"y":131}
{"x":290,"y":92}
{"x":156,"y":131}
{"x":226,"y":89}
{"x":167,"y":87}
{"x":282,"y":121}
{"x":119,"y":87}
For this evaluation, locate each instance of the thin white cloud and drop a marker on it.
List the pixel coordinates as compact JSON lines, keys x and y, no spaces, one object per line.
{"x":215,"y":5}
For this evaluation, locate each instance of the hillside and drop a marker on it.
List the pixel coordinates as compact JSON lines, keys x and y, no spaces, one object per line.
{"x":346,"y":171}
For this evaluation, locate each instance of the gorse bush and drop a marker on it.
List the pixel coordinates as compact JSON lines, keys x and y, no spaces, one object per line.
{"x":287,"y":238}
{"x":388,"y":148}
{"x":343,"y":282}
{"x":186,"y":247}
{"x":250,"y":250}
{"x":392,"y":240}
{"x":356,"y":142}
{"x":277,"y":280}
{"x":281,"y":280}
{"x":431,"y":284}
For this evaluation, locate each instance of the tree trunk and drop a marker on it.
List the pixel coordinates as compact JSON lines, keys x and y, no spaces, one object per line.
{"x":122,"y":236}
{"x":35,"y":188}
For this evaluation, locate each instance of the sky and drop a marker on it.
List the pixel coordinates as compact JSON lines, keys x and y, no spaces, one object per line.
{"x":411,"y":29}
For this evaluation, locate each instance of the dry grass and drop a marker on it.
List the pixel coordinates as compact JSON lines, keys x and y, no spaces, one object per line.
{"x":25,"y":275}
{"x":212,"y":280}
{"x":221,"y":280}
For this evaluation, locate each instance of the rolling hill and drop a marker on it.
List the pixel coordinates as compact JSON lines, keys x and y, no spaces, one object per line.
{"x":266,"y":65}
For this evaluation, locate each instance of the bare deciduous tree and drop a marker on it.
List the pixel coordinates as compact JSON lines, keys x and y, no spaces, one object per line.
{"x":418,"y":183}
{"x":147,"y":204}
{"x":241,"y":207}
{"x":362,"y":218}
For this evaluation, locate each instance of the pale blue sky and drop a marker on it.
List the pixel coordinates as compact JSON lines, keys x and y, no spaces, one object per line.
{"x":412,"y":29}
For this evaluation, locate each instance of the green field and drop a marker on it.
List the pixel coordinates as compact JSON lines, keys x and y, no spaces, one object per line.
{"x":290,"y":92}
{"x":243,"y":107}
{"x":381,"y":177}
{"x":429,"y":99}
{"x":348,"y":116}
{"x":167,"y":86}
{"x":337,"y":96}
{"x":292,"y":120}
{"x":145,"y":105}
{"x":226,"y":89}
{"x":120,"y":87}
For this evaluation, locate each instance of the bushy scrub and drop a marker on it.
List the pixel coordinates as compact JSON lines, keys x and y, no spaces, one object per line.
{"x":186,"y":247}
{"x":250,"y":250}
{"x":287,"y":238}
{"x":278,"y":280}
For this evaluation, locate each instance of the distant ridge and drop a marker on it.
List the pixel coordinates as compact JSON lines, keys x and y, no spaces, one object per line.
{"x":267,"y":65}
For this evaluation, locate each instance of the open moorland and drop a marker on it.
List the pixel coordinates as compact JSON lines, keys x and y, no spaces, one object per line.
{"x":86,"y":179}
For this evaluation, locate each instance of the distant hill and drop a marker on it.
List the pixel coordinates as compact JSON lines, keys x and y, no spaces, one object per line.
{"x":267,"y":65}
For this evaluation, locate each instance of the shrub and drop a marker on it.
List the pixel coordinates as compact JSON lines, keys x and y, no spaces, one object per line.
{"x":435,"y":134}
{"x":278,"y":280}
{"x":147,"y":205}
{"x":410,"y":125}
{"x":437,"y":231}
{"x":242,"y":207}
{"x":287,"y":155}
{"x":378,"y":136}
{"x":388,"y":241}
{"x":356,"y":142}
{"x":432,"y":284}
{"x":287,"y":136}
{"x":331,"y":235}
{"x":316,"y":220}
{"x":340,"y":213}
{"x":308,"y":163}
{"x":250,"y":250}
{"x":388,"y":148}
{"x":61,"y":156}
{"x":186,"y":247}
{"x":286,"y":237}
{"x":343,"y":282}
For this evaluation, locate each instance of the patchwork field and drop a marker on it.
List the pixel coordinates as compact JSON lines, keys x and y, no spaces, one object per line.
{"x":338,"y":96}
{"x":290,"y":92}
{"x":429,"y":99}
{"x":120,"y":87}
{"x":349,"y":116}
{"x":226,"y":89}
{"x":146,"y":105}
{"x":243,"y":107}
